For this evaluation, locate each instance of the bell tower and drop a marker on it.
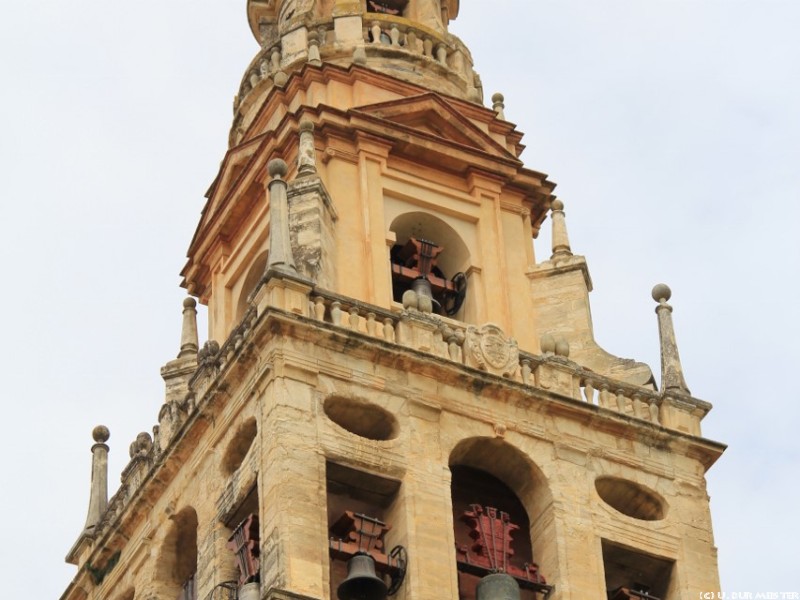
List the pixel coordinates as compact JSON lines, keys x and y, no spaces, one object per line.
{"x":397,"y":397}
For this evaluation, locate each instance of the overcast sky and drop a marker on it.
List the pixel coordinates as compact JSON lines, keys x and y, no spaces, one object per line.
{"x":671,"y":127}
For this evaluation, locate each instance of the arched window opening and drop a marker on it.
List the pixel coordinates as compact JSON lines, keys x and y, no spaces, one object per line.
{"x":491,"y":533}
{"x":244,"y":541}
{"x":431,"y":259}
{"x":634,"y":575}
{"x":500,"y":504}
{"x":239,"y":446}
{"x":364,"y":516}
{"x":178,"y":562}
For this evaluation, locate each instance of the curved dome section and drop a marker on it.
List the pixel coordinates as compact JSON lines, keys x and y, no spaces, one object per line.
{"x":361,"y":418}
{"x":631,"y":499}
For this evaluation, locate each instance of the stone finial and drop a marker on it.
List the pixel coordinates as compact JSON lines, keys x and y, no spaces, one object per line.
{"x":98,"y":497}
{"x":560,"y":240}
{"x":498,"y":105}
{"x":280,"y":244}
{"x":562,"y":348}
{"x":306,"y":154}
{"x":548,"y":344}
{"x":672,"y":381}
{"x":189,"y":343}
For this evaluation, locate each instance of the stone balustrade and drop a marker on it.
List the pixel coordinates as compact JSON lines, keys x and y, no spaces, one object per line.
{"x":486,"y":348}
{"x":446,"y":338}
{"x":384,"y":35}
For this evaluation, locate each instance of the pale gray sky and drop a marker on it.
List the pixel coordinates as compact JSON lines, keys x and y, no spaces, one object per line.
{"x":671,"y":126}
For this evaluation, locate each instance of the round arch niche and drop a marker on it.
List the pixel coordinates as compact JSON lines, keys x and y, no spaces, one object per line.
{"x":361,"y":418}
{"x":631,"y":499}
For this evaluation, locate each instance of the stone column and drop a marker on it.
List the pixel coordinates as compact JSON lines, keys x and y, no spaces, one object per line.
{"x":189,"y":343}
{"x":672,"y":381}
{"x":280,"y":245}
{"x":98,"y":498}
{"x":306,"y":154}
{"x":560,"y":240}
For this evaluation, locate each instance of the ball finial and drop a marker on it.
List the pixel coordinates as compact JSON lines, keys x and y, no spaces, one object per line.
{"x":100,"y":434}
{"x":557,"y":205}
{"x":277,"y":167}
{"x":661,"y":293}
{"x":497,"y":98}
{"x":189,"y":303}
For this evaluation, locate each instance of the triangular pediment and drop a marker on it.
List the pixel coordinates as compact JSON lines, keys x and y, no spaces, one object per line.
{"x":431,"y":115}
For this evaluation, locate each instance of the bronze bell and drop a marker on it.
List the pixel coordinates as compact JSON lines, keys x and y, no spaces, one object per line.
{"x":361,"y":582}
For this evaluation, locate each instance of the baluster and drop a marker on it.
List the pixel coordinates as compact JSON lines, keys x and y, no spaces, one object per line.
{"x":275,"y":59}
{"x":375,"y":29}
{"x":621,"y":402}
{"x":588,"y":392}
{"x":354,"y":318}
{"x":411,"y":41}
{"x":639,"y":408}
{"x":319,"y":308}
{"x":394,"y":34}
{"x":427,"y":46}
{"x":441,"y":54}
{"x":605,"y":400}
{"x":336,"y":313}
{"x":526,"y":372}
{"x":371,"y":323}
{"x":388,"y":330}
{"x":314,"y":57}
{"x":654,"y":413}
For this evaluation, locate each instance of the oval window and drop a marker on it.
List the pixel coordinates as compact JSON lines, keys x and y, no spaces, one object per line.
{"x":361,"y":418}
{"x":631,"y":499}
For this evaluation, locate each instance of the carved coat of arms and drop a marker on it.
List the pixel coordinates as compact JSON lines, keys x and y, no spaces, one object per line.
{"x":489,"y":349}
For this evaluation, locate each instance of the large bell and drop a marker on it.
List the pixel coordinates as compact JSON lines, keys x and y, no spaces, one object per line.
{"x":361,"y":582}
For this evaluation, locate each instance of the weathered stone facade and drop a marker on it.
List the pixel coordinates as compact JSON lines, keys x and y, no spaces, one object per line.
{"x":329,"y":382}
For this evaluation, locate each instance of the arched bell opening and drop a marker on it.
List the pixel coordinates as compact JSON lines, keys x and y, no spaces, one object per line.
{"x":499,"y":501}
{"x":366,"y":518}
{"x":430,"y":257}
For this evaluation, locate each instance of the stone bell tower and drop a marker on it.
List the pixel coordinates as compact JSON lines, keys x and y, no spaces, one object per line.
{"x":397,"y":397}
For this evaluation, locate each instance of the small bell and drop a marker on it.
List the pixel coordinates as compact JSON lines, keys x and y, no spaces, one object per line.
{"x":361,"y":582}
